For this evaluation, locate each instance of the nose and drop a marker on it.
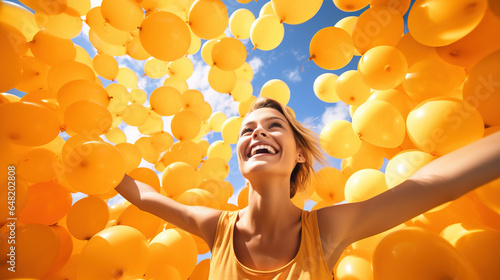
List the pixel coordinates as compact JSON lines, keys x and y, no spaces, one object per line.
{"x":258,"y":132}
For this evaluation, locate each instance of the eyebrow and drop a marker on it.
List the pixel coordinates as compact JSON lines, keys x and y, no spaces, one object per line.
{"x":266,"y":119}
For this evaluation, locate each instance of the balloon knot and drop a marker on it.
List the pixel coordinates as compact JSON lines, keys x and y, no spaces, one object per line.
{"x":254,"y":47}
{"x":144,"y":75}
{"x":282,"y":20}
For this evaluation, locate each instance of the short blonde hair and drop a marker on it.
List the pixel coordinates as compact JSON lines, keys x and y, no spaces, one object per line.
{"x":306,"y":140}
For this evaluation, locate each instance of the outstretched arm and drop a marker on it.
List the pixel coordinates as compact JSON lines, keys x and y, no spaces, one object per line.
{"x":444,"y":179}
{"x":198,"y":220}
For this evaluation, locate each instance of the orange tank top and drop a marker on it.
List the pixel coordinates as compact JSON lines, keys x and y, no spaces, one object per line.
{"x":309,"y":263}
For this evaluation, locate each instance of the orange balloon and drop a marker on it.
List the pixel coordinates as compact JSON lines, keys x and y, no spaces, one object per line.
{"x":28,"y":124}
{"x":131,"y":155}
{"x":105,"y":66}
{"x":436,"y":23}
{"x":65,"y":248}
{"x":66,"y":72}
{"x":201,"y":271}
{"x":165,"y":36}
{"x":51,"y":49}
{"x":400,"y":6}
{"x":37,"y":165}
{"x":104,"y":29}
{"x":402,"y":166}
{"x":12,"y":48}
{"x":442,"y":125}
{"x":87,"y":217}
{"x":117,"y":249}
{"x":77,"y":90}
{"x":377,"y":26}
{"x":185,"y":125}
{"x":329,"y":184}
{"x":87,"y":117}
{"x":94,"y":167}
{"x":489,"y":195}
{"x":356,"y":265}
{"x":145,"y":222}
{"x":228,"y":54}
{"x":350,"y":5}
{"x":48,"y":202}
{"x":34,"y":76}
{"x":414,"y":253}
{"x":338,"y":139}
{"x":413,"y":50}
{"x":177,"y":178}
{"x":36,"y":251}
{"x":364,"y":184}
{"x":383,"y":67}
{"x":186,"y":151}
{"x":480,"y":88}
{"x":146,"y":176}
{"x":331,"y":48}
{"x":162,"y":140}
{"x":63,"y":25}
{"x":198,"y":197}
{"x":296,"y":11}
{"x":208,"y":18}
{"x":480,"y":42}
{"x":351,"y":89}
{"x":398,"y":99}
{"x":214,"y":169}
{"x":432,"y":78}
{"x":220,"y":80}
{"x":124,"y":15}
{"x":148,"y":151}
{"x":368,"y":156}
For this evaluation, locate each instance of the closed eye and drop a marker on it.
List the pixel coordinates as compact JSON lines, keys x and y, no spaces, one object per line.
{"x":245,"y":131}
{"x":275,"y":124}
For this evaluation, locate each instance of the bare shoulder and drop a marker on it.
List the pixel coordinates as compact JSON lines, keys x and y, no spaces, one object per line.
{"x":207,"y":219}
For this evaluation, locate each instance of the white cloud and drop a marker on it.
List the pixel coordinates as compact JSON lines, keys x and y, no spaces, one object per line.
{"x":256,"y":63}
{"x":299,"y":56}
{"x":339,"y":111}
{"x":293,"y":75}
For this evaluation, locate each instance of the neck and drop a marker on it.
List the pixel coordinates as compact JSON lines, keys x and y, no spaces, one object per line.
{"x":270,"y":210}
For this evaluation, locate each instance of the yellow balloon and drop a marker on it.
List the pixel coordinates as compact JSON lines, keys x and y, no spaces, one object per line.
{"x":240,"y":23}
{"x":127,"y":77}
{"x":195,"y":44}
{"x":138,"y":96}
{"x":324,"y":87}
{"x":228,"y":54}
{"x":165,"y":36}
{"x":50,"y":7}
{"x":206,"y":51}
{"x":404,"y":165}
{"x":442,"y":125}
{"x":37,"y":165}
{"x":104,"y":29}
{"x":220,"y":80}
{"x":166,"y":100}
{"x":377,"y":26}
{"x":338,"y":139}
{"x":202,"y":269}
{"x":131,"y":155}
{"x":398,"y":99}
{"x":94,"y":167}
{"x":244,"y":107}
{"x":105,"y":66}
{"x":51,"y":49}
{"x":116,"y":135}
{"x":34,"y":75}
{"x":188,"y":152}
{"x":364,"y":184}
{"x":181,"y":68}
{"x":216,"y":121}
{"x":356,"y":265}
{"x":208,"y":18}
{"x":351,"y":89}
{"x":107,"y":48}
{"x":435,"y":23}
{"x":180,"y":85}
{"x":267,"y":32}
{"x":276,"y":89}
{"x":383,"y":67}
{"x":125,"y":246}
{"x":242,"y":90}
{"x":162,"y":140}
{"x":185,"y":125}
{"x":214,"y":168}
{"x":367,"y":156}
{"x":135,"y":49}
{"x":245,"y":72}
{"x":66,"y":72}
{"x":11,"y":55}
{"x":148,"y":151}
{"x":28,"y":124}
{"x":87,"y":217}
{"x":198,"y":197}
{"x":220,"y":149}
{"x":267,"y":9}
{"x":432,"y":78}
{"x":177,"y":178}
{"x":413,"y":50}
{"x":176,"y":248}
{"x":147,"y":176}
{"x":296,"y":11}
{"x":351,"y":5}
{"x":331,"y":48}
{"x":19,"y":18}
{"x":400,"y":6}
{"x":329,"y":184}
{"x":87,"y":117}
{"x":379,"y":123}
{"x":230,"y":129}
{"x":479,"y":91}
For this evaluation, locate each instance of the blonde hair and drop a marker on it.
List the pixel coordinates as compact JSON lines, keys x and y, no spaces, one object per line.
{"x":305,"y":139}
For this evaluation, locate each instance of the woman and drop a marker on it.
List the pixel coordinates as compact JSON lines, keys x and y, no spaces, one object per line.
{"x":271,"y":238}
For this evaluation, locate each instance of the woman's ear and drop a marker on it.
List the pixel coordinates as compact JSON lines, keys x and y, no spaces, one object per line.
{"x":301,"y":158}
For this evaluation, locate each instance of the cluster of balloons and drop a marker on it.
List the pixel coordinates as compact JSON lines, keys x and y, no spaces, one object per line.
{"x":414,"y":97}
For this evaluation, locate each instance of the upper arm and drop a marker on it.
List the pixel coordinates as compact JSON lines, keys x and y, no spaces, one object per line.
{"x":198,"y":220}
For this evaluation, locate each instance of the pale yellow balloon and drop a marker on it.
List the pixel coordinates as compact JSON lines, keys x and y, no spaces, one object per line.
{"x":135,"y":114}
{"x":220,"y":80}
{"x":245,"y":72}
{"x":351,"y":5}
{"x":296,"y":11}
{"x":138,"y":96}
{"x":230,"y":129}
{"x":348,"y":24}
{"x":267,"y":9}
{"x":220,"y":149}
{"x":62,"y":25}
{"x":148,"y":151}
{"x":339,"y":140}
{"x":216,"y":121}
{"x":383,"y":67}
{"x":244,"y":107}
{"x":195,"y":44}
{"x":181,"y":68}
{"x":198,"y":197}
{"x":51,"y":49}
{"x":364,"y":184}
{"x":180,"y":85}
{"x":135,"y":49}
{"x":127,"y":77}
{"x":155,"y":68}
{"x":106,"y":66}
{"x":324,"y":87}
{"x":398,"y":99}
{"x":379,"y":123}
{"x":124,"y":15}
{"x":240,"y":23}
{"x":404,"y":165}
{"x":267,"y":32}
{"x":103,"y":29}
{"x":242,"y":90}
{"x":105,"y":47}
{"x":277,"y":90}
{"x":351,"y":89}
{"x":116,"y":135}
{"x":206,"y":51}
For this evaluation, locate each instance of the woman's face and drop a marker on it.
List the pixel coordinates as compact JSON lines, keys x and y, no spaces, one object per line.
{"x":266,"y":144}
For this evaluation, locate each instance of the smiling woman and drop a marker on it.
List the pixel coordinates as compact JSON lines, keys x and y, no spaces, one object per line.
{"x":272,"y":238}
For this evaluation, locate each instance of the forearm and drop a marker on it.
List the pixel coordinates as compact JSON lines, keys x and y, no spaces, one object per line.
{"x":465,"y":169}
{"x":133,"y":190}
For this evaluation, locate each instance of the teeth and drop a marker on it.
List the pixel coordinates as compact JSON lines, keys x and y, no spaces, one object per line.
{"x":269,"y":148}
